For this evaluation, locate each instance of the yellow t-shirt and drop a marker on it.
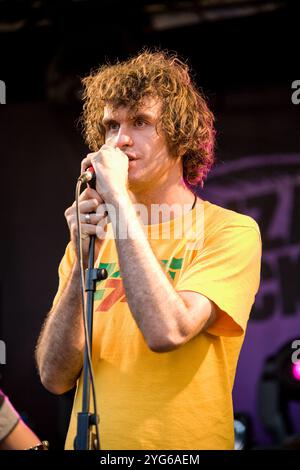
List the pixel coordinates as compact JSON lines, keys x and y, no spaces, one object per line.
{"x":180,"y":399}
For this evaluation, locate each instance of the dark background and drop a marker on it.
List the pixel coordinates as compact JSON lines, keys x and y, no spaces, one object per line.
{"x":243,"y":55}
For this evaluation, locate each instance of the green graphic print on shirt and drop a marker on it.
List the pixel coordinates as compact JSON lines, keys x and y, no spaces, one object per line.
{"x":113,"y":289}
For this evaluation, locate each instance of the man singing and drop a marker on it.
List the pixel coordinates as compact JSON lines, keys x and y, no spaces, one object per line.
{"x":170,"y":319}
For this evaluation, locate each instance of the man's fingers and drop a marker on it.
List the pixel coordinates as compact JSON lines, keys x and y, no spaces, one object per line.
{"x":86,"y":162}
{"x":93,"y":219}
{"x":88,"y":229}
{"x":89,"y":213}
{"x":101,"y":210}
{"x":87,"y":205}
{"x":101,"y":229}
{"x":89,"y":193}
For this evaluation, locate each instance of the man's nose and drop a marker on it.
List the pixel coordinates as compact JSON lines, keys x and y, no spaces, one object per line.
{"x":123,"y":138}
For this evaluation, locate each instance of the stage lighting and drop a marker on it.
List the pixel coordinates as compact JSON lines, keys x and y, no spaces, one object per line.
{"x":296,"y":370}
{"x":279,"y":385}
{"x":242,"y":431}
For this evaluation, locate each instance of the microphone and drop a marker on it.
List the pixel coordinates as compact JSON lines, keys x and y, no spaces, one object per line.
{"x":89,"y":176}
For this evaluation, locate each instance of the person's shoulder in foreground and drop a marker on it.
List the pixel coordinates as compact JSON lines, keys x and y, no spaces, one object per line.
{"x":14,"y":433}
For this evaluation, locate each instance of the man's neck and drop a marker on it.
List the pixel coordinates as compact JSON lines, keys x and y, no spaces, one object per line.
{"x":176,"y":198}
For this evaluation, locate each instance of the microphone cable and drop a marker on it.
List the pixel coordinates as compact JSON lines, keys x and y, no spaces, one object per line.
{"x":86,"y":333}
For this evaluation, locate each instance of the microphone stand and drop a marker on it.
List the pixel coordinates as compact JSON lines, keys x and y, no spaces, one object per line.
{"x":85,"y":419}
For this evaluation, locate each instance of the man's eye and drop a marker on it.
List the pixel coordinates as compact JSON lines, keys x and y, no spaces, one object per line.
{"x":112,"y":126}
{"x":139,"y":123}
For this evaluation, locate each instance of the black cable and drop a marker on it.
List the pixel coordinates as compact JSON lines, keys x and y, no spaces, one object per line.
{"x":82,"y":283}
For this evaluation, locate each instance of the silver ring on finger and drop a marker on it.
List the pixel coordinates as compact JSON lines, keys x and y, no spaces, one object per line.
{"x":87,"y":218}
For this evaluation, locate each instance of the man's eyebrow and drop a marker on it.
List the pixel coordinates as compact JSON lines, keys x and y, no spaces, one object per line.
{"x":108,"y":120}
{"x":148,"y":116}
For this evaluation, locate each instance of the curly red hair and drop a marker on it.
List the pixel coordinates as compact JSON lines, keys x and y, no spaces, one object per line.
{"x":186,"y":121}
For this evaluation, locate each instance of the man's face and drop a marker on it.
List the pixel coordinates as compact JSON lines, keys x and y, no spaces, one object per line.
{"x":150,"y":162}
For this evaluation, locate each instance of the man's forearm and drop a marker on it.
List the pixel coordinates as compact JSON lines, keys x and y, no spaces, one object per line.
{"x":59,"y":351}
{"x":157,"y":308}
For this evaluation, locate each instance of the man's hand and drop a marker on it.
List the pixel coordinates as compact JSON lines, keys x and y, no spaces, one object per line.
{"x":93,"y":224}
{"x":111,"y":168}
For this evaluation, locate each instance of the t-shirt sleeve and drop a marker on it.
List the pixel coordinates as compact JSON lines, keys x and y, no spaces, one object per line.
{"x":227,"y":271}
{"x":64,"y":271}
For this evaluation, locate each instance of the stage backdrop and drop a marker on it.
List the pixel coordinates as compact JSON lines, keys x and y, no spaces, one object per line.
{"x":267,"y":188}
{"x":257,"y":172}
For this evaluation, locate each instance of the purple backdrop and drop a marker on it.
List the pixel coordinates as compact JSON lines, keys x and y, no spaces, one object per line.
{"x":266,"y":187}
